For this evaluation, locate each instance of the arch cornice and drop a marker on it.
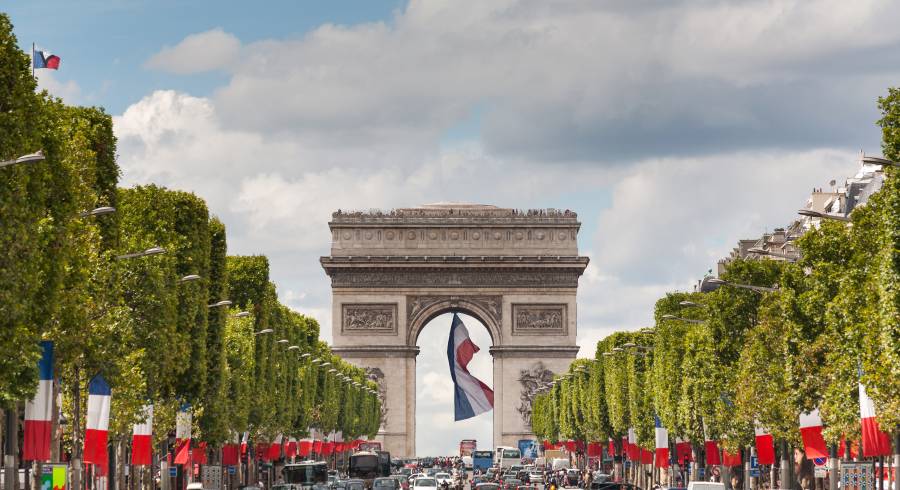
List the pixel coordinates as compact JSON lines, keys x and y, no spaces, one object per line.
{"x":422,"y":309}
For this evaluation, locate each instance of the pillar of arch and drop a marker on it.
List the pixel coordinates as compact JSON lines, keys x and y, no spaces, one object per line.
{"x":516,"y":272}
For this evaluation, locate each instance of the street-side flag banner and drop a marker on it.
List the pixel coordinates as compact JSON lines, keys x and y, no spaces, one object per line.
{"x":811,"y":433}
{"x":183,"y":421}
{"x":44,"y":59}
{"x":712,"y":453}
{"x":875,"y":442}
{"x":683,"y":451}
{"x":39,"y":411}
{"x":633,"y":451}
{"x":765,"y":446}
{"x":95,"y":434}
{"x":471,"y":397}
{"x":662,"y":444}
{"x":142,"y":438}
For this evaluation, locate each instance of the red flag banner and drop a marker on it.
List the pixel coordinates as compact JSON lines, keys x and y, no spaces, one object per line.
{"x":729,"y":459}
{"x":199,"y":453}
{"x":231,"y":454}
{"x":683,"y":451}
{"x":305,"y":448}
{"x":646,"y":456}
{"x":712,"y":453}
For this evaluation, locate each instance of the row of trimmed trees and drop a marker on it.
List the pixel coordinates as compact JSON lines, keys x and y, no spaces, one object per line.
{"x":715,"y":364}
{"x":137,"y":321}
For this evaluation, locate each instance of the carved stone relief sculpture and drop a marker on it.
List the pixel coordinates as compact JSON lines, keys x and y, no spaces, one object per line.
{"x":369,"y":319}
{"x":531,"y":380}
{"x":540,"y":319}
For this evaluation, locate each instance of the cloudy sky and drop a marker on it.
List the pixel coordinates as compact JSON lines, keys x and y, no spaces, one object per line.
{"x":673,"y":128}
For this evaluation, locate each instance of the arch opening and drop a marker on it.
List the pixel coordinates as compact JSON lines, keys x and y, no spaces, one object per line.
{"x":437,"y":434}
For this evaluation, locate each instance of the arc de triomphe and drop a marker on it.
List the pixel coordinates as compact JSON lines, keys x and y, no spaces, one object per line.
{"x":517,"y":272}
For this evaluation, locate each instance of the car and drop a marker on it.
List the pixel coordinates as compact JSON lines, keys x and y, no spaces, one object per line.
{"x":705,"y":485}
{"x":443,"y":478}
{"x":425,"y":483}
{"x":613,"y":486}
{"x":526,"y":487}
{"x":573,"y":475}
{"x":536,"y":477}
{"x":386,"y":483}
{"x":194,"y":486}
{"x":511,"y":484}
{"x":402,"y":480}
{"x":487,"y":486}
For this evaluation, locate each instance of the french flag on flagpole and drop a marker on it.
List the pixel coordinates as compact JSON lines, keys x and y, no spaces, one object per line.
{"x":811,"y":433}
{"x":471,"y":397}
{"x":95,"y":433}
{"x":765,"y":446}
{"x":141,"y":439}
{"x":38,"y":412}
{"x":875,"y":442}
{"x":44,"y":59}
{"x":662,"y":444}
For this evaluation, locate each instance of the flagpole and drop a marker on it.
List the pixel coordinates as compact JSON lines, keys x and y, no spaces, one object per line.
{"x":32,"y":60}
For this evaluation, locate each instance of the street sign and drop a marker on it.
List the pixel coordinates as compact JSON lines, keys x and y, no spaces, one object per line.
{"x":820,"y":471}
{"x":173,"y":472}
{"x":754,"y":462}
{"x":232,"y":470}
{"x":820,"y":461}
{"x":754,"y":472}
{"x":701,"y":472}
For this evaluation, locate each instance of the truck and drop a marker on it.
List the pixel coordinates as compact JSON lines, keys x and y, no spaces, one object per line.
{"x":482,"y":460}
{"x":467,"y":446}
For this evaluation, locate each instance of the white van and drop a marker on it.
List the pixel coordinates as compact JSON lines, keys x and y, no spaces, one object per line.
{"x":563,"y":464}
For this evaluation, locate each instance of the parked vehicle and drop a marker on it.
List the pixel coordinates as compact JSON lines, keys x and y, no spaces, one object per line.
{"x":705,"y":485}
{"x":424,"y":484}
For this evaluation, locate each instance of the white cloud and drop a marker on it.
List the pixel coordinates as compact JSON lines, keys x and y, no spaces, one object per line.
{"x":205,"y":51}
{"x":68,"y":90}
{"x":674,"y":130}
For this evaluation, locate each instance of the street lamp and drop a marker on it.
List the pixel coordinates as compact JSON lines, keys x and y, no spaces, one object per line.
{"x":241,"y":314}
{"x":762,"y":251}
{"x":818,"y":214}
{"x":224,"y":302}
{"x":146,"y":253}
{"x":678,"y":318}
{"x":710,"y":283}
{"x":189,"y":277}
{"x":282,"y":341}
{"x":691,"y":304}
{"x":29,"y":158}
{"x":264,"y":331}
{"x":98,"y":211}
{"x":884,"y":162}
{"x":305,"y":355}
{"x":293,"y":347}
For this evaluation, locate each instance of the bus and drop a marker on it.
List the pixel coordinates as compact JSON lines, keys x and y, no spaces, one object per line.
{"x":506,"y":456}
{"x":466,"y":446}
{"x":482,"y":460}
{"x":306,"y":475}
{"x":365,"y":465}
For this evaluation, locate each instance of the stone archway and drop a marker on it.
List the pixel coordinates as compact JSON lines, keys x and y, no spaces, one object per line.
{"x":516,"y":272}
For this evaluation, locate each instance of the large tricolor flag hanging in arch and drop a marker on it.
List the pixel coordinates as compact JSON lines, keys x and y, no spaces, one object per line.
{"x":38,"y":411}
{"x":471,"y":397}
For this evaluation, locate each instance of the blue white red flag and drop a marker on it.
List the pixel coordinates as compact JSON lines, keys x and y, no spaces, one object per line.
{"x":142,"y":438}
{"x":471,"y":397}
{"x":43,"y":59}
{"x":95,"y":433}
{"x":875,"y":442}
{"x":662,"y":444}
{"x":38,"y":411}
